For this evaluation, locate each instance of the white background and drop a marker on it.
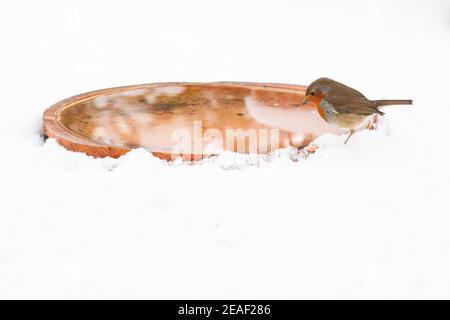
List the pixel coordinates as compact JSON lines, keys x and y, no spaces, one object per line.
{"x":370,"y":219}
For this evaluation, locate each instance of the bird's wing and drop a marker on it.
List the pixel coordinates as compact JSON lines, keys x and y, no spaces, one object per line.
{"x":351,"y":102}
{"x":340,"y":88}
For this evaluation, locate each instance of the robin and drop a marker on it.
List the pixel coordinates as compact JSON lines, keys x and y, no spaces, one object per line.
{"x":343,"y":106}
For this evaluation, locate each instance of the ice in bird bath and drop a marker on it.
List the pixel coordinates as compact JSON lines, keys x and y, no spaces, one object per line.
{"x":191,"y":120}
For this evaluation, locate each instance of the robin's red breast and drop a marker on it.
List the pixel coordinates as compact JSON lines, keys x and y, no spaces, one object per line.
{"x":343,"y":106}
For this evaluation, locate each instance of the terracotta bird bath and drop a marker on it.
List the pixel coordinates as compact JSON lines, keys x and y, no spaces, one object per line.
{"x":192,"y":120}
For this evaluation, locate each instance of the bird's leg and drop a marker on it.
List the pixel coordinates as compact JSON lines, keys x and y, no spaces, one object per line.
{"x":373,"y":122}
{"x":351,"y":132}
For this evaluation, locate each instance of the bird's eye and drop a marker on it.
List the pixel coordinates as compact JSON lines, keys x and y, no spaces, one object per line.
{"x":313,"y":93}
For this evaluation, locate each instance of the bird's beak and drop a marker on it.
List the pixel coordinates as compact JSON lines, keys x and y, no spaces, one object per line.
{"x":305,"y":101}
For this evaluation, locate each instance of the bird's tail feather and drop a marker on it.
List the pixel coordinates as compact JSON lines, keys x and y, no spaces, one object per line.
{"x":381,"y":103}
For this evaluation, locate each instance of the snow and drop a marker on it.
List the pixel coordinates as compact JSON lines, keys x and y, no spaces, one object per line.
{"x":369,"y":219}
